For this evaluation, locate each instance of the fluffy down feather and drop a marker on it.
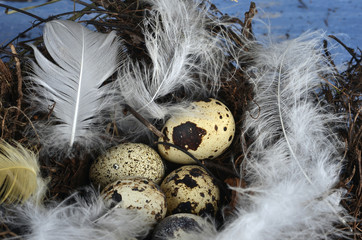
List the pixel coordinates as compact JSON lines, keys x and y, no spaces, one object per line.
{"x":184,"y":55}
{"x":294,"y":163}
{"x":71,"y":88}
{"x":76,"y":218}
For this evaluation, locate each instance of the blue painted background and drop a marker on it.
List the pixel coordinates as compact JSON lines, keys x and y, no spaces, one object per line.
{"x":286,"y":18}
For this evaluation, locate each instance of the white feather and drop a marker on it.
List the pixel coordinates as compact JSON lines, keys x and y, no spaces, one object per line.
{"x":184,"y":55}
{"x":294,"y":163}
{"x":73,"y":84}
{"x":76,"y":218}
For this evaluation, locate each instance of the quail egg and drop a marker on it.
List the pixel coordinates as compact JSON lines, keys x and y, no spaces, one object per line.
{"x":206,"y":132}
{"x":180,"y":226}
{"x":139,"y":194}
{"x":127,"y":159}
{"x":189,"y":189}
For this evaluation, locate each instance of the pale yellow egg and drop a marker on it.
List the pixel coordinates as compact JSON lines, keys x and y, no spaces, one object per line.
{"x":206,"y":132}
{"x":127,"y":159}
{"x":190,"y":189}
{"x":139,"y":194}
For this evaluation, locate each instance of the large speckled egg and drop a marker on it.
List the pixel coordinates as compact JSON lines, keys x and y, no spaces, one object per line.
{"x":206,"y":132}
{"x":180,"y":226}
{"x":127,"y":159}
{"x":140,"y":194}
{"x":190,"y":189}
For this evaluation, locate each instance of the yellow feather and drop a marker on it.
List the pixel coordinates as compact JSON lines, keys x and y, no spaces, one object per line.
{"x":19,"y":171}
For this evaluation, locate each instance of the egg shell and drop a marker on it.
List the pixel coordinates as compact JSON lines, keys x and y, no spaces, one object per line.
{"x":179,"y":226}
{"x":189,"y":189}
{"x":140,"y":194}
{"x":206,"y":132}
{"x":127,"y":159}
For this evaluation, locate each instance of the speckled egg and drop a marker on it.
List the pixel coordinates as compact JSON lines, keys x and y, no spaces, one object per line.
{"x":139,"y":194}
{"x":189,"y":189}
{"x":206,"y":132}
{"x":180,"y":226}
{"x":128,"y":159}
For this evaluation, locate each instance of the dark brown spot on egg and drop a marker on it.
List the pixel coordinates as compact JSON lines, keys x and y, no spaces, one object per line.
{"x":196,"y":172}
{"x":188,"y":181}
{"x":173,"y":178}
{"x":216,"y":128}
{"x":188,"y":136}
{"x":225,"y":128}
{"x":202,"y":195}
{"x":220,"y":116}
{"x":227,"y":115}
{"x":184,"y":207}
{"x":116,"y":197}
{"x":218,"y":103}
{"x":231,"y":137}
{"x":137,"y":189}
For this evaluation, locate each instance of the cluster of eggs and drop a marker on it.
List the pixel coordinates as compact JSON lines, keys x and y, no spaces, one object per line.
{"x":131,"y":175}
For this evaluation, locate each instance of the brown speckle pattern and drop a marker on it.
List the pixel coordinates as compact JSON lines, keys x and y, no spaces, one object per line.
{"x":139,"y":194}
{"x":128,"y":159}
{"x":190,"y":189}
{"x":203,"y":132}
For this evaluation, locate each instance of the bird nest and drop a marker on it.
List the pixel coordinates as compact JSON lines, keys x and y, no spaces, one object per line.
{"x":342,"y":91}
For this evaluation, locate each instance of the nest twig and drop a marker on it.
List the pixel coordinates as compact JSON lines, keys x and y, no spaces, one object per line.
{"x":344,"y":93}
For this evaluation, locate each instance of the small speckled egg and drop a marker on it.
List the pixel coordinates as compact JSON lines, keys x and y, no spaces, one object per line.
{"x":127,"y":159}
{"x":180,"y":226}
{"x":139,"y":194}
{"x":206,"y":132}
{"x":189,"y":189}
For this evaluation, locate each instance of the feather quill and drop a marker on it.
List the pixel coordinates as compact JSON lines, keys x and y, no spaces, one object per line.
{"x":81,"y":216}
{"x":184,"y":56}
{"x":19,"y":174}
{"x":294,"y":162}
{"x":72,"y":86}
